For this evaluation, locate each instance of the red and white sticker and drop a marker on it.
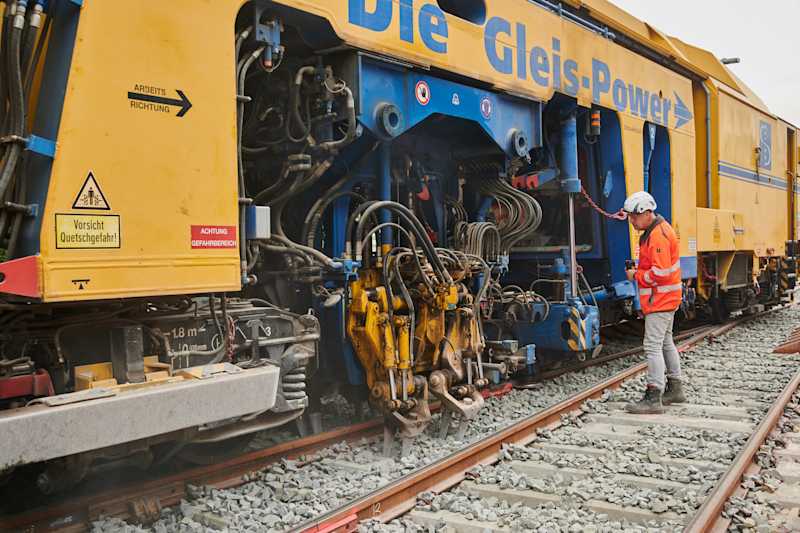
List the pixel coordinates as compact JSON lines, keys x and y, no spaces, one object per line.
{"x":486,"y":107}
{"x":423,"y":93}
{"x":210,"y":237}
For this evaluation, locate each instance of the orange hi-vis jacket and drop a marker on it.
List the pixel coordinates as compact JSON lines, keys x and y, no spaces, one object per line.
{"x":659,"y":272}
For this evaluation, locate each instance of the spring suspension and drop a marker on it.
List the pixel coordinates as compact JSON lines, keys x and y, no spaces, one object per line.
{"x":294,"y":384}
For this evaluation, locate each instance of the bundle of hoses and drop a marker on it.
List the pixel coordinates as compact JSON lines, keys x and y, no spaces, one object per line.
{"x":299,"y":173}
{"x":21,"y":48}
{"x":481,"y":239}
{"x":409,"y":222}
{"x":521,"y":213}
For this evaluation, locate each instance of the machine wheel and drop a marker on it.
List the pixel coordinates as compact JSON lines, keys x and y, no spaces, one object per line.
{"x":719,"y":313}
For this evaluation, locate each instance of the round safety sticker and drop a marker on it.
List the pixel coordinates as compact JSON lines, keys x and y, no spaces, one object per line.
{"x":486,"y":107}
{"x":423,"y":93}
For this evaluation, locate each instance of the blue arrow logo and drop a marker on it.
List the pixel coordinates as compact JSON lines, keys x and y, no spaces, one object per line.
{"x":682,"y":113}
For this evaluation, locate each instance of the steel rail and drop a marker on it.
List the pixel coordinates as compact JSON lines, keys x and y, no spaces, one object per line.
{"x":400,"y":496}
{"x":169,"y":490}
{"x":588,"y":363}
{"x":77,"y":513}
{"x":711,"y":511}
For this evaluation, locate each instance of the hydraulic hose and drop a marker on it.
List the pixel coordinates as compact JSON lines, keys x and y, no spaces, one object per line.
{"x":407,"y":298}
{"x":352,"y":125}
{"x":286,"y":250}
{"x":37,"y":55}
{"x":487,"y":279}
{"x":294,"y":106}
{"x":8,"y":19}
{"x":365,"y":210}
{"x":16,"y":223}
{"x":294,"y":163}
{"x":279,"y":203}
{"x":314,"y":217}
{"x":405,"y":232}
{"x":243,"y":67}
{"x":324,"y":259}
{"x":304,"y":184}
{"x":16,"y":101}
{"x":29,"y":37}
{"x":320,"y":205}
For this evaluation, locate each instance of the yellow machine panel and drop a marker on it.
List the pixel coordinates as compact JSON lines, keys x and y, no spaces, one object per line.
{"x":683,"y":179}
{"x":720,"y":230}
{"x":143,"y":196}
{"x":752,"y":173}
{"x":162,"y":115}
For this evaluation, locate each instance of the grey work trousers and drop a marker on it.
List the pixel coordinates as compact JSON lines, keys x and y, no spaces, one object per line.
{"x":662,"y":355}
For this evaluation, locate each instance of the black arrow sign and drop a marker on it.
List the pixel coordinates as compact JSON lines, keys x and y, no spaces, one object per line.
{"x":183,"y":103}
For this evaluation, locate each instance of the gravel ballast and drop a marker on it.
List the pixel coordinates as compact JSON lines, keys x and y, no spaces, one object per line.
{"x":292,"y":492}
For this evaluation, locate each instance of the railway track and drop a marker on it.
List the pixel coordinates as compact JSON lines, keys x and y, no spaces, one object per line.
{"x":144,"y":501}
{"x":586,"y":465}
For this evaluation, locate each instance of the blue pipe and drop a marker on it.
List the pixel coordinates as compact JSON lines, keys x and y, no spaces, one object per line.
{"x":570,"y":183}
{"x":385,"y":189}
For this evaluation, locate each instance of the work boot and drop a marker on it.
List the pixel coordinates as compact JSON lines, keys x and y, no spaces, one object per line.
{"x":649,"y":405}
{"x":673,"y":393}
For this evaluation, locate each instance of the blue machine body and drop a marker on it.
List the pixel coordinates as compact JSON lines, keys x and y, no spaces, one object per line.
{"x":414,"y":97}
{"x":570,"y":327}
{"x":394,"y":99}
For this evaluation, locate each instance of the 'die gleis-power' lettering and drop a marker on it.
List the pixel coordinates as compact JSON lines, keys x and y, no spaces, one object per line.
{"x":541,"y":65}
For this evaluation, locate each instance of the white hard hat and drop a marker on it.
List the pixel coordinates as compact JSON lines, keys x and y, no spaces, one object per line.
{"x":639,"y":202}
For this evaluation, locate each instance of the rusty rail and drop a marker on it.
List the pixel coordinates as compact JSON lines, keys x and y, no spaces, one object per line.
{"x":400,"y":496}
{"x":710,"y":512}
{"x":77,"y":514}
{"x":126,"y":502}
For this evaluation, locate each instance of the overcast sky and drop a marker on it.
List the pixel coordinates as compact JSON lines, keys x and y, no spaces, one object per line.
{"x":764,"y":35}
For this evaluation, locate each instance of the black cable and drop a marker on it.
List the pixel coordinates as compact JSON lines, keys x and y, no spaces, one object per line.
{"x":294,"y":107}
{"x":409,"y":301}
{"x":16,"y":109}
{"x":364,"y":210}
{"x":4,"y":108}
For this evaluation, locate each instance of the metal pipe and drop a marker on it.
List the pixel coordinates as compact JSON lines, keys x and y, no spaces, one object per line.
{"x":559,"y":10}
{"x":709,"y":200}
{"x":570,"y":184}
{"x":573,"y":256}
{"x":385,"y":193}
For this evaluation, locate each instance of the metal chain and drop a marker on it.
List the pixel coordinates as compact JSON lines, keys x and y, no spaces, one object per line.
{"x":619,"y":215}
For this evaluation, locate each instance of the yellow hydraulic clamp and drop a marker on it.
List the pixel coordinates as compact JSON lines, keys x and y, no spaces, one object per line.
{"x":443,"y":357}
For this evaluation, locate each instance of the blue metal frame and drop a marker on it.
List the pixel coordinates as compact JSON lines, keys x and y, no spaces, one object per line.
{"x":611,"y":161}
{"x":660,"y":170}
{"x":547,"y":334}
{"x":500,"y":116}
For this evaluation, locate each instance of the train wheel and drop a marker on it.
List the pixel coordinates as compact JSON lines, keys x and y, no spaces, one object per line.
{"x":719,"y":313}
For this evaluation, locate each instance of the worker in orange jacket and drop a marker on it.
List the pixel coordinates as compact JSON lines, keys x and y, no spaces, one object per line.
{"x":658,"y":277}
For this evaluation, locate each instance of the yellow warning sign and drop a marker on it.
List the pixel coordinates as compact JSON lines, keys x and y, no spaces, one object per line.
{"x":90,"y":196}
{"x":87,"y":231}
